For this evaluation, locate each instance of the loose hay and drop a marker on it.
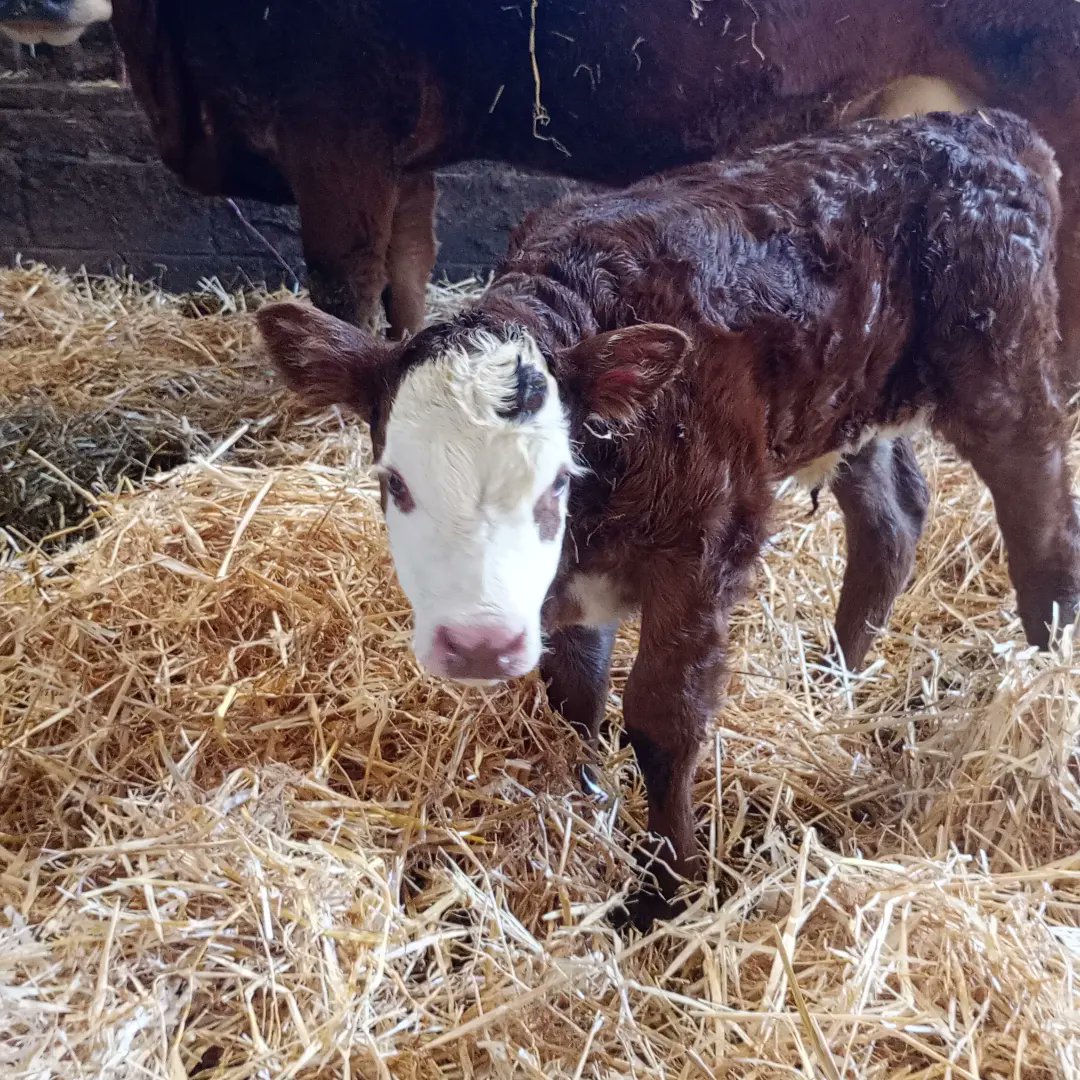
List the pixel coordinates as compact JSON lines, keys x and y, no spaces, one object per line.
{"x":104,"y":380}
{"x":242,"y":836}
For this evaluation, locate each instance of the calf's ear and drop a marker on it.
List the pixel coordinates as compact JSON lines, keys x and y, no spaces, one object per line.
{"x":618,"y":374}
{"x":324,"y":360}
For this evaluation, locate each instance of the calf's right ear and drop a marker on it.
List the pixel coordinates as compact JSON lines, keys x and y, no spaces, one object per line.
{"x":618,"y":374}
{"x":324,"y":360}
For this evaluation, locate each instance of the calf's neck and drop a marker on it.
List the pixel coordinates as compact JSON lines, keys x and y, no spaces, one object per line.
{"x":602,"y":431}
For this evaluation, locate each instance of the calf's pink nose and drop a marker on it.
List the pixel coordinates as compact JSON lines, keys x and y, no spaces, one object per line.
{"x":478,"y":652}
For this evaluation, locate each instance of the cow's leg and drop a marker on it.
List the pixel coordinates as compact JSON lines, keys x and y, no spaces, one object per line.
{"x":347,"y":191}
{"x":672,"y":693}
{"x":412,"y":254}
{"x":884,"y":497}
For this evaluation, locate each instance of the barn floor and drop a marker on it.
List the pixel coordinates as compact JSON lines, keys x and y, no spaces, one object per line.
{"x":241,"y":836}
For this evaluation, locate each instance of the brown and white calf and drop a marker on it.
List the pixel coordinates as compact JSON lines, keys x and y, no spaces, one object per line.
{"x":601,"y":433}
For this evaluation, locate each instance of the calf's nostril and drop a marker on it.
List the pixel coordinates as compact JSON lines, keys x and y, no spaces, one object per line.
{"x":509,"y":652}
{"x":447,"y":643}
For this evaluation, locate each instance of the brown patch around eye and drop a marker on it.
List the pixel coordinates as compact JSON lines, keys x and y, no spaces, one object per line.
{"x":394,"y":486}
{"x":547,"y":513}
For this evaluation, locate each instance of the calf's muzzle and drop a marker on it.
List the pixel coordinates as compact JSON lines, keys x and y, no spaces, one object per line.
{"x":483,"y":653}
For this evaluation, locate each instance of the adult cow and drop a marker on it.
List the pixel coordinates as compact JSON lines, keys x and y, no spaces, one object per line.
{"x":346,"y":106}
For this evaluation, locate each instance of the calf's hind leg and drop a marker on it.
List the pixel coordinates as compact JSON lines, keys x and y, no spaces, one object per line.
{"x":1030,"y":481}
{"x":1004,"y":412}
{"x":883,"y":496}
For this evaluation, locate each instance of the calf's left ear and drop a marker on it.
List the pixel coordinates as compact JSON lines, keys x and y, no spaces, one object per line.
{"x":618,"y":374}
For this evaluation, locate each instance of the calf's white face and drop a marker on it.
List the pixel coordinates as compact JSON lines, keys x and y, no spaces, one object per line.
{"x":475,"y":460}
{"x":477,"y":465}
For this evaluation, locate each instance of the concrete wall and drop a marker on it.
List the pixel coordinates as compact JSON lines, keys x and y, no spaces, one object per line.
{"x":81,"y":185}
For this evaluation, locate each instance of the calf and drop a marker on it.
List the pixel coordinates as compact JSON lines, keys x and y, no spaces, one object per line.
{"x":601,"y":432}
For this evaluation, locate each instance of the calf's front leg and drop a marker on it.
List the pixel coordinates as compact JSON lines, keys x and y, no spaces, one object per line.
{"x":672,"y":693}
{"x":576,"y":668}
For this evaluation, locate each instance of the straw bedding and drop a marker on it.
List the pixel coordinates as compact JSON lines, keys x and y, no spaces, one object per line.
{"x":242,"y":836}
{"x":103,"y":381}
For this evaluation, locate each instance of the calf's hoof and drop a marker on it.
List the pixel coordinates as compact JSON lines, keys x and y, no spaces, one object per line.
{"x":831,"y":670}
{"x":1039,"y":621}
{"x":644,"y":907}
{"x":590,"y":785}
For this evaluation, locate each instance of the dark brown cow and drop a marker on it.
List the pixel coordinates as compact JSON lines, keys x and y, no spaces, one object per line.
{"x":347,"y":105}
{"x":669,"y":353}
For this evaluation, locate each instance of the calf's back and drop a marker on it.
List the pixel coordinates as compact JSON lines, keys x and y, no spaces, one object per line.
{"x":835,"y":269}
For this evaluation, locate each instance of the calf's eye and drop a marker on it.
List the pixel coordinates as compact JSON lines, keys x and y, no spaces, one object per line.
{"x":562,"y":482}
{"x":399,"y":490}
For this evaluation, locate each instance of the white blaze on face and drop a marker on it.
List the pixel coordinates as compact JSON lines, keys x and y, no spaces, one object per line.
{"x":477,"y":537}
